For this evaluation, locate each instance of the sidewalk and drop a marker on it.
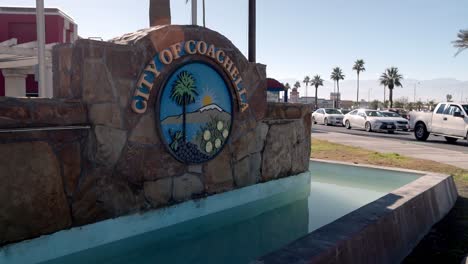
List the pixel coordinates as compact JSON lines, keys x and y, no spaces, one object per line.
{"x":409,"y":149}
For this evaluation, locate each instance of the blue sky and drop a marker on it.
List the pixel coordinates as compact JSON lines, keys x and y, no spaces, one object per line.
{"x":300,"y":37}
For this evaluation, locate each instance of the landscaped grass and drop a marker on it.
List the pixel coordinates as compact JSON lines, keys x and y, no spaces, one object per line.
{"x":447,"y":242}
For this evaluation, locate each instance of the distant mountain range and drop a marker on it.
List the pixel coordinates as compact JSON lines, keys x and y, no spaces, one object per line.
{"x":202,"y":115}
{"x":435,"y":89}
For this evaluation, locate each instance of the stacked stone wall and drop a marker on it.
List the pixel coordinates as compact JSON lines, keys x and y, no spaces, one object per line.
{"x":120,"y":165}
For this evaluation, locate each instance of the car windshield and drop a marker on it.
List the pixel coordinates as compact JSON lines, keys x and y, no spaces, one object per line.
{"x":373,"y":113}
{"x":333,"y":112}
{"x":345,"y":111}
{"x":390,"y":114}
{"x":466,"y":108}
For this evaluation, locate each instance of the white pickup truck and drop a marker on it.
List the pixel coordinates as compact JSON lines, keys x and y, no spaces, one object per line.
{"x":449,"y":120}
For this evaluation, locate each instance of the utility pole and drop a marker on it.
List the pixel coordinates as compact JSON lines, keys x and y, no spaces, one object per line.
{"x":40,"y":27}
{"x":252,"y":30}
{"x":194,"y":12}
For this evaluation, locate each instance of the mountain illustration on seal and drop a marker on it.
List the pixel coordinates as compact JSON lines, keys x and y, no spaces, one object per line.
{"x":195,"y":113}
{"x":203,"y":115}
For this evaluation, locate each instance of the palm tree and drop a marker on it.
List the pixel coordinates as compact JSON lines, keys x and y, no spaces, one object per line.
{"x":286,"y":89}
{"x":391,"y":78}
{"x":449,"y":97}
{"x":183,"y":92}
{"x":316,"y":81}
{"x":159,"y":12}
{"x":337,"y":75}
{"x":358,"y":67}
{"x":306,"y":81}
{"x":431,"y":104}
{"x":297,"y":85}
{"x":462,"y":42}
{"x":419,"y":105}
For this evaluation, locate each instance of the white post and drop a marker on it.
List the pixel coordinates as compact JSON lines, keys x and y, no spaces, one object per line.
{"x":15,"y":82}
{"x":40,"y":22}
{"x":194,"y":12}
{"x":49,"y":81}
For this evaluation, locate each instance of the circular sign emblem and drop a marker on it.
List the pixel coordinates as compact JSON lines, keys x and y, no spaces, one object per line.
{"x":195,"y":113}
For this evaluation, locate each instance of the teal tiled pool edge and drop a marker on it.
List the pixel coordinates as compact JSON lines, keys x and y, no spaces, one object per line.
{"x":59,"y":244}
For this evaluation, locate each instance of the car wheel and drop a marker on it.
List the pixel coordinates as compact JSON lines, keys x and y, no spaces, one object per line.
{"x":347,"y":124}
{"x":325,"y":121}
{"x":451,"y":139}
{"x":313,"y":120}
{"x":420,"y":132}
{"x":368,"y":127}
{"x":391,"y":131}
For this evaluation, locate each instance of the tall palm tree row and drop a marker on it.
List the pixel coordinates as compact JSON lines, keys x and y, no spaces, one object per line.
{"x":337,"y":75}
{"x":391,"y":79}
{"x":358,"y":67}
{"x":462,"y":42}
{"x":316,"y":81}
{"x":306,"y":81}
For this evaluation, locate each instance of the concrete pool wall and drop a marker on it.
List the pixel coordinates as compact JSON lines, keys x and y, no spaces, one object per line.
{"x":86,"y":155}
{"x":384,"y":231}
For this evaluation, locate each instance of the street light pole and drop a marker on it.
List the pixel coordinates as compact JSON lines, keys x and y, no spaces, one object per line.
{"x":252,"y":30}
{"x":194,"y":12}
{"x":40,"y":23}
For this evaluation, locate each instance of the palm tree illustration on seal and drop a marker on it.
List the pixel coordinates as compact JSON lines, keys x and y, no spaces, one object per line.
{"x":184,"y":92}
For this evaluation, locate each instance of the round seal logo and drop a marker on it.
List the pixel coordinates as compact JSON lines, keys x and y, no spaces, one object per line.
{"x":195,"y":113}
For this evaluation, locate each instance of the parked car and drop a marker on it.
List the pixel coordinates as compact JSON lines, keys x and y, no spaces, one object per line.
{"x":327,"y":116}
{"x":345,"y":111}
{"x":400,"y":122}
{"x":402,"y":112}
{"x":370,"y":120}
{"x":449,"y":120}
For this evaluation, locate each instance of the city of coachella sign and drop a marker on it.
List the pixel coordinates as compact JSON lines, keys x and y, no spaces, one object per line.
{"x":173,"y":53}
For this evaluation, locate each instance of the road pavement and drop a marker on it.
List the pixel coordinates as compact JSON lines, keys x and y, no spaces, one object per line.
{"x":436,"y":150}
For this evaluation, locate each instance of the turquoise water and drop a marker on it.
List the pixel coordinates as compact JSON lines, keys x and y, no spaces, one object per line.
{"x":246,"y":232}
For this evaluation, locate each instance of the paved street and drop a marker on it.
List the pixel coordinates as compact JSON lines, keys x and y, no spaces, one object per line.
{"x":432,"y":141}
{"x":401,"y":143}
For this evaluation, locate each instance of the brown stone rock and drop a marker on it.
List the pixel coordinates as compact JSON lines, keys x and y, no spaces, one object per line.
{"x":92,"y":49}
{"x":251,"y":142}
{"x":301,"y":148}
{"x":32,"y":198}
{"x":71,"y":162}
{"x":158,"y":163}
{"x":62,"y":57}
{"x":86,"y":208}
{"x":76,"y":80}
{"x":218,"y":173}
{"x":109,"y":144}
{"x":130,"y":164}
{"x":125,"y":88}
{"x":120,"y":61}
{"x":277,"y":160}
{"x":145,"y":130}
{"x":247,"y":171}
{"x":159,"y":192}
{"x":116,"y":197}
{"x":97,"y":87}
{"x":107,"y":114}
{"x":186,"y":186}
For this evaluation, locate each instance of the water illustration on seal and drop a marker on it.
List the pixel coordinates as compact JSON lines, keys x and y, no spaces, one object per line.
{"x":195,"y":113}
